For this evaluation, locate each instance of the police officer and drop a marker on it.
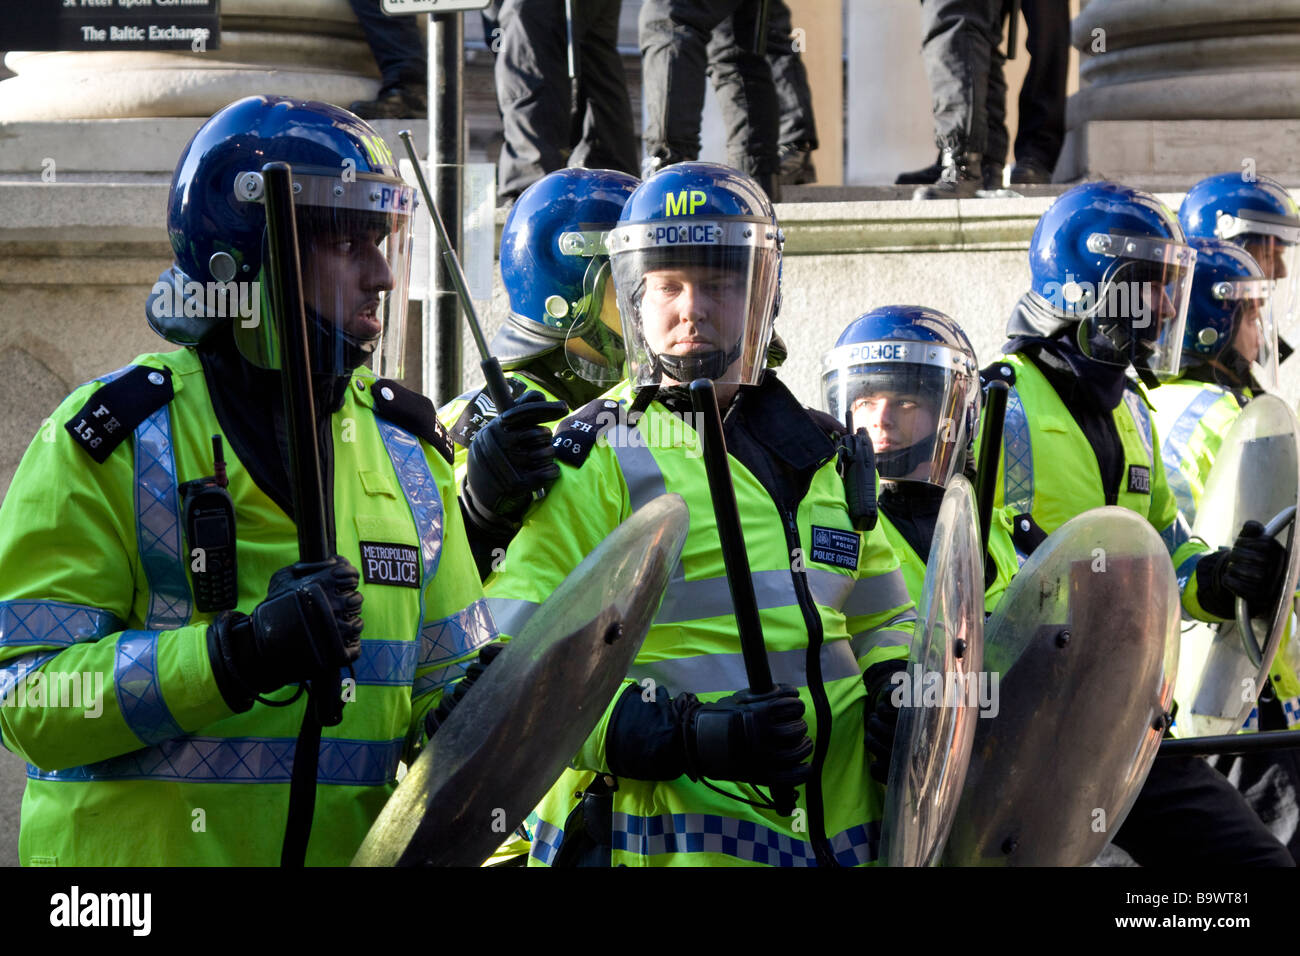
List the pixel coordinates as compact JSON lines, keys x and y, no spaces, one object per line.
{"x":673,"y":769}
{"x":1111,"y":276}
{"x":906,"y":378}
{"x":194,"y":620}
{"x":561,"y":344}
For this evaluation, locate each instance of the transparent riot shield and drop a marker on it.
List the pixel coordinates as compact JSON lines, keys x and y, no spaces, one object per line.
{"x":1084,"y":646}
{"x":940,"y":699}
{"x":512,"y":736}
{"x":1256,"y":476}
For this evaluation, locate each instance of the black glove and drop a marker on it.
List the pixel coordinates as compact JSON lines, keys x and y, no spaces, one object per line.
{"x":1254,"y":569}
{"x":309,"y":624}
{"x":509,"y":459}
{"x":753,"y":739}
{"x":881,"y":715}
{"x":450,"y":698}
{"x":758,"y":740}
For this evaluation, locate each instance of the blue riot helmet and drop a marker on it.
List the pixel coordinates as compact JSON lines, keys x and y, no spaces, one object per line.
{"x":908,"y":375}
{"x":1112,"y":261}
{"x":555,"y":269}
{"x":697,"y":263}
{"x":1259,"y":215}
{"x":1229,"y":325}
{"x":354,"y":216}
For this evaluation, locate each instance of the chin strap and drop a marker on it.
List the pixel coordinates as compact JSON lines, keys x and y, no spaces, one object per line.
{"x":687,"y":368}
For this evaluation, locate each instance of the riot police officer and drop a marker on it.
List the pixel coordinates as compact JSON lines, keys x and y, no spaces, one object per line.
{"x":670,"y":777}
{"x":197,"y":620}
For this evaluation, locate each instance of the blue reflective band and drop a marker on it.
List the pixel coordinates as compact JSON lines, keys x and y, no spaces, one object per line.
{"x":456,"y":636}
{"x":16,"y":669}
{"x":1018,"y":457}
{"x":385,"y":663}
{"x":53,"y":622}
{"x":1175,"y":535}
{"x":241,"y":760}
{"x":1142,"y":418}
{"x":158,"y":525}
{"x":1291,"y":708}
{"x":139,"y":698}
{"x":1174,"y":449}
{"x":421,"y":493}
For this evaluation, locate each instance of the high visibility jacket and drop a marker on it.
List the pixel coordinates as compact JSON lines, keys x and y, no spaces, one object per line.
{"x":832,"y":601}
{"x":1005,"y":558}
{"x":1049,"y":470}
{"x":95,"y":583}
{"x":1195,"y":417}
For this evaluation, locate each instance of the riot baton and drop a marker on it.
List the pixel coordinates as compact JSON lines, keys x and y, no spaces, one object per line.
{"x":1230,"y":744}
{"x":986,"y":478}
{"x":493,"y":377}
{"x":325,"y":705}
{"x":732,"y":538}
{"x":760,"y":27}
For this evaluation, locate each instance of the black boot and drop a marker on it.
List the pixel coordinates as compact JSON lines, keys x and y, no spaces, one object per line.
{"x":962,"y":178}
{"x":797,"y":167}
{"x":398,"y":102}
{"x":921,"y":177}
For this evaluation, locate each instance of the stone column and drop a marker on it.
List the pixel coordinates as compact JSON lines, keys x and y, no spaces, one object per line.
{"x":1172,"y":92}
{"x":312,"y":49}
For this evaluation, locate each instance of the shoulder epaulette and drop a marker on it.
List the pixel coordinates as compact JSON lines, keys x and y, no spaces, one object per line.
{"x":832,"y":426}
{"x":998,"y":372}
{"x":478,"y":412}
{"x":1026,"y":535}
{"x":117,"y":409}
{"x":413,"y":412}
{"x":576,"y":436}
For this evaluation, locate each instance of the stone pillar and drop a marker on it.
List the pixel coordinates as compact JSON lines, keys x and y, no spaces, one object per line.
{"x":1172,"y":92}
{"x":312,"y":49}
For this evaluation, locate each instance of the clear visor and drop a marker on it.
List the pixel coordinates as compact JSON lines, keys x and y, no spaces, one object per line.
{"x":919,"y":416}
{"x":1280,"y":262}
{"x":696,"y":299}
{"x":354,"y":247}
{"x":1136,"y":314}
{"x":593,"y":344}
{"x":1254,"y":333}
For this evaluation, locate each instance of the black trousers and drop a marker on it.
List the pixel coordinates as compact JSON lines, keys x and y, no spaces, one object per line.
{"x":398,"y":48}
{"x":543,"y":131}
{"x":1042,"y":97}
{"x":1187,"y":814}
{"x":681,"y":41}
{"x":959,"y":43}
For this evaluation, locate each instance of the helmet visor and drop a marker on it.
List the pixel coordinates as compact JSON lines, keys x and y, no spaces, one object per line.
{"x":1279,"y":260}
{"x":354,"y":248}
{"x":1254,"y":332}
{"x":593,"y":344}
{"x":1136,"y":315}
{"x":696,"y":299}
{"x":917,"y":401}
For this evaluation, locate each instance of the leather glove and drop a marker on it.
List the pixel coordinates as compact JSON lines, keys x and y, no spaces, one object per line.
{"x":752,"y":739}
{"x":451,"y":698}
{"x":510,"y":458}
{"x":309,"y":624}
{"x":881,"y":716}
{"x":1253,"y":568}
{"x":757,"y":740}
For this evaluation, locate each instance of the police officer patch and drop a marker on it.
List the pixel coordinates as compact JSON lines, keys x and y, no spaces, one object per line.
{"x":1139,"y":479}
{"x":833,"y":546}
{"x":395,"y":564}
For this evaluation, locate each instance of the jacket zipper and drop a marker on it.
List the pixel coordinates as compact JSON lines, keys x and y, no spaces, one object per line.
{"x":821,"y":705}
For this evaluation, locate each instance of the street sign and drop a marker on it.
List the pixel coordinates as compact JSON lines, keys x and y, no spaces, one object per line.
{"x":397,"y":8}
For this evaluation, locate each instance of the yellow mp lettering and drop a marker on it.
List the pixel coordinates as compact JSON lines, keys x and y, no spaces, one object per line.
{"x":697,"y":199}
{"x":377,"y":150}
{"x":675,"y":207}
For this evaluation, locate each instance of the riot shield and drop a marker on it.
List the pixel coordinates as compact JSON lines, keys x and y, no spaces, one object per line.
{"x":1256,"y":476}
{"x":1084,"y":646}
{"x":940,"y":700}
{"x":511,"y":737}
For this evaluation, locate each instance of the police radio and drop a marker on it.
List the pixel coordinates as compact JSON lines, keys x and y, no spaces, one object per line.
{"x":209,"y":517}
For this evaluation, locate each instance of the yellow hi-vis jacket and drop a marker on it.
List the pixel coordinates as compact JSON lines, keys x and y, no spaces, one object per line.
{"x":96,"y":586}
{"x":832,"y":601}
